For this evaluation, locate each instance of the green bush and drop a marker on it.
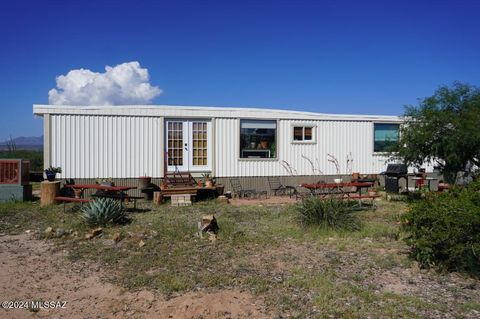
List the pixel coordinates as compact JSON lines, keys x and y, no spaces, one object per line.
{"x":35,"y":157}
{"x":328,"y":213}
{"x":104,"y":211}
{"x":444,"y":229}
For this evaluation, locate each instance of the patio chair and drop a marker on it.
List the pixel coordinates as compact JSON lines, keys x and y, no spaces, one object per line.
{"x":277,"y":187}
{"x":240,"y":192}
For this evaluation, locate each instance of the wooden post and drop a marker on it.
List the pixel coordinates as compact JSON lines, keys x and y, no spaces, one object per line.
{"x":48,"y":191}
{"x":157,"y":198}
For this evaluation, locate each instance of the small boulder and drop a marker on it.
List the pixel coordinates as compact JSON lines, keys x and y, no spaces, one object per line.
{"x":60,"y":232}
{"x":223,"y":199}
{"x":97,"y":231}
{"x":117,"y":237}
{"x":48,"y":231}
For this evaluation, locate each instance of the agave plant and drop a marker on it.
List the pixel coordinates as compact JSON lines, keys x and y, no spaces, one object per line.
{"x":104,"y":211}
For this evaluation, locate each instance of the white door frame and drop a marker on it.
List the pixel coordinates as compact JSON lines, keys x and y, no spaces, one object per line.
{"x":186,"y":151}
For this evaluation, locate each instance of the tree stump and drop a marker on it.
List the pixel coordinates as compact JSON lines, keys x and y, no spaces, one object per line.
{"x":48,"y":192}
{"x":157,"y":198}
{"x":209,"y":224}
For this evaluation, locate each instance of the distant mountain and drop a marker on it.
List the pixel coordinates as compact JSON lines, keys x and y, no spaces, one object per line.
{"x":25,"y":143}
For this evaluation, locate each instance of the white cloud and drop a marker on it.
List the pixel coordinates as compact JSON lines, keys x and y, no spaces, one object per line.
{"x":126,"y":83}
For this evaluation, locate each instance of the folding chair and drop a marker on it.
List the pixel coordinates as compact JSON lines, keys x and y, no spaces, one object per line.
{"x":277,"y":187}
{"x":240,"y":192}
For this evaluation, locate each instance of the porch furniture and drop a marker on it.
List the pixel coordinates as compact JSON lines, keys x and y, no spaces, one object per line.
{"x":65,"y":200}
{"x":168,"y":192}
{"x":115,"y":192}
{"x":342,"y":190}
{"x":192,"y":191}
{"x":337,"y":188}
{"x":241,"y":193}
{"x":180,"y":179}
{"x":277,"y":187}
{"x":121,"y":196}
{"x":420,"y":181}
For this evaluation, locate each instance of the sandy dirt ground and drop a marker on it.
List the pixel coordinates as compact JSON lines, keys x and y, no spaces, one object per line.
{"x":31,"y":270}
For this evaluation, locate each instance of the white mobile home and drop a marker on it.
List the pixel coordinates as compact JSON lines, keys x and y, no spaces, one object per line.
{"x":125,"y":142}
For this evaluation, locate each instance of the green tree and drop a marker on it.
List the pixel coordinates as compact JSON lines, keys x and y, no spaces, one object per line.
{"x":445,"y":129}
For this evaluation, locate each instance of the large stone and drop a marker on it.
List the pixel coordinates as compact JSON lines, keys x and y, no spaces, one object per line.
{"x":223,"y":199}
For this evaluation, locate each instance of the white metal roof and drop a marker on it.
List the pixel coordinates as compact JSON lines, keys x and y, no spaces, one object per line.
{"x":205,"y":112}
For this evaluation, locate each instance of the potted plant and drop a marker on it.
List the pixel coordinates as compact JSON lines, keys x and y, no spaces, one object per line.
{"x":51,"y":173}
{"x":164,"y":185}
{"x":209,"y":181}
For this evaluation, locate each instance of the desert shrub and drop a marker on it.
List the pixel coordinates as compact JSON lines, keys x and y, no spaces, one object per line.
{"x":35,"y":158}
{"x":328,"y":213}
{"x":444,"y":229}
{"x":104,"y":211}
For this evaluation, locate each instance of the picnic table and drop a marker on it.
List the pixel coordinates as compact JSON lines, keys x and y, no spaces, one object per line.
{"x":340,"y":190}
{"x":115,"y":192}
{"x":337,"y":188}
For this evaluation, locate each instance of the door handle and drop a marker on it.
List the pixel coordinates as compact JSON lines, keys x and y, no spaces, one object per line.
{"x":186,"y":147}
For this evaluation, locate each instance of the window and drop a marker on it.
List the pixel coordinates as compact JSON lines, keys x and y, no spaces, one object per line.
{"x":303,"y":134}
{"x":385,"y":135}
{"x":258,"y":139}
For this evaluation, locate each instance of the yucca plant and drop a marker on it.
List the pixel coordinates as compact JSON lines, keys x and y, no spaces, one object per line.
{"x":104,"y":211}
{"x":328,"y":213}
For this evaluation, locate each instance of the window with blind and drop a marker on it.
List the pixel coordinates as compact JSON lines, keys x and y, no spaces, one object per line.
{"x":303,"y":134}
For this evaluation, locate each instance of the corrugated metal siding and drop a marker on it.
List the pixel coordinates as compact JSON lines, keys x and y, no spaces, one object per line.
{"x":107,"y":146}
{"x":338,"y":138}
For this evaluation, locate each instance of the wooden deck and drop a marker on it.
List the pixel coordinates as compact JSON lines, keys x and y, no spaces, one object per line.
{"x":186,"y":191}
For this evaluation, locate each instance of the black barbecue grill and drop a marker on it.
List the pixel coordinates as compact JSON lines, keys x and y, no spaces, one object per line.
{"x":392,"y":177}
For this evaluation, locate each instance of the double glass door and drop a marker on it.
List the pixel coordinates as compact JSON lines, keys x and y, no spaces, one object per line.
{"x":188,"y":145}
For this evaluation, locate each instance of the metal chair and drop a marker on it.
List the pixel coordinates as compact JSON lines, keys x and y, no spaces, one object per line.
{"x":277,"y":187}
{"x":240,"y":192}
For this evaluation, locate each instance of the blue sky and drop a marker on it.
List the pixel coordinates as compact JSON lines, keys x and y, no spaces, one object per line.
{"x":369,"y":57}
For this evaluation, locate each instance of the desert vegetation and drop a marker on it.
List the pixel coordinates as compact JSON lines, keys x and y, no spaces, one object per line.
{"x":292,"y":267}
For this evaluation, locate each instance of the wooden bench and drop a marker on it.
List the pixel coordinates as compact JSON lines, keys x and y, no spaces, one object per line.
{"x":120,"y":197}
{"x":66,"y":199}
{"x":179,"y":191}
{"x":359,"y":197}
